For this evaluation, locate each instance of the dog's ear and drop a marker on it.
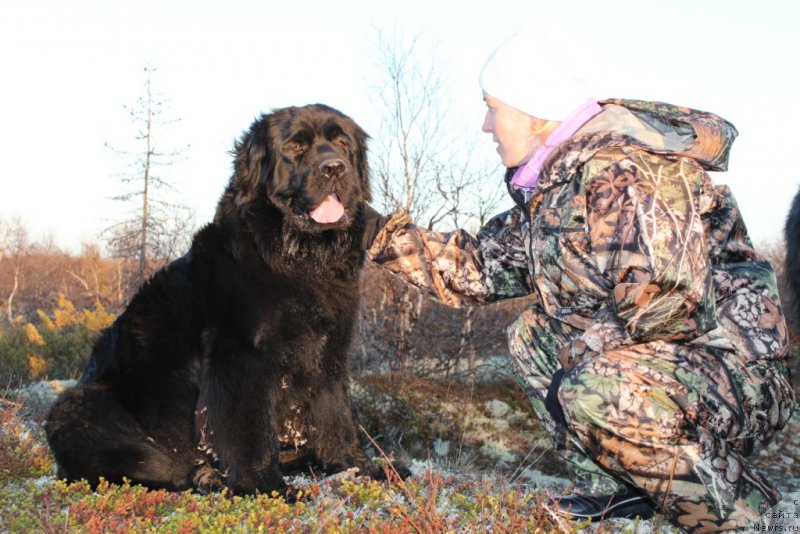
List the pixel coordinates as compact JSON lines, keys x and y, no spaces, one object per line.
{"x":361,"y":161}
{"x":252,"y":159}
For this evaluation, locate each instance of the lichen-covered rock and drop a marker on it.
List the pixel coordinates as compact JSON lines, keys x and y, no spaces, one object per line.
{"x":485,"y":426}
{"x":37,"y":397}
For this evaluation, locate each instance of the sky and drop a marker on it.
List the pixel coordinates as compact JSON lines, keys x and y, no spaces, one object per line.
{"x":70,"y":68}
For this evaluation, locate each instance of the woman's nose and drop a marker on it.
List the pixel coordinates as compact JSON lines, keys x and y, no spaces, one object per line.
{"x":487,"y":124}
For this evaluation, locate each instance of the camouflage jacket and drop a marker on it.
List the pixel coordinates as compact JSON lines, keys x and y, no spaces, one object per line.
{"x":626,"y":239}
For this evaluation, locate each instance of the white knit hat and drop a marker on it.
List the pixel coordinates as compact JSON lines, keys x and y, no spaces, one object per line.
{"x":535,"y":71}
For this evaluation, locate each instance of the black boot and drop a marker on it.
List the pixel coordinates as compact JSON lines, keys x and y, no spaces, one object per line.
{"x":628,"y":503}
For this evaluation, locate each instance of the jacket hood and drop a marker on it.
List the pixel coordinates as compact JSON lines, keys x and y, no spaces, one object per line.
{"x":636,"y":124}
{"x":668,"y":129}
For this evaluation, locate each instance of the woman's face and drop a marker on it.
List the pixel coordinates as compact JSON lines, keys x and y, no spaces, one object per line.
{"x":517,"y":134}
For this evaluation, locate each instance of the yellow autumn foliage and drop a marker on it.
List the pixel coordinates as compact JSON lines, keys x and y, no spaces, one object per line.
{"x":65,"y":316}
{"x":33,"y":336}
{"x":97,"y":319}
{"x":37,"y":367}
{"x":47,"y":323}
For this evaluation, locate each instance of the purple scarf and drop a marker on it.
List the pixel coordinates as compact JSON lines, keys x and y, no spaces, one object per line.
{"x":527,"y":175}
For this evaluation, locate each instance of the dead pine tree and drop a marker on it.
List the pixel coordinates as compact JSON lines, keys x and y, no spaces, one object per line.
{"x":155,"y":229}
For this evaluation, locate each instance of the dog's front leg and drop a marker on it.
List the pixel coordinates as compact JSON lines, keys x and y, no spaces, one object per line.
{"x":334,"y":436}
{"x":238,"y":396}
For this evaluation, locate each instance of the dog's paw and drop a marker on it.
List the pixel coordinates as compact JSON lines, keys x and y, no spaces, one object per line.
{"x":391,"y":471}
{"x":207,"y":479}
{"x":290,"y":494}
{"x":350,"y":473}
{"x":398,"y":469}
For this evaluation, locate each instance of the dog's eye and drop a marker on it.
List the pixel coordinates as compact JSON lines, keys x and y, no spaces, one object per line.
{"x":342,"y":143}
{"x":297,"y":148}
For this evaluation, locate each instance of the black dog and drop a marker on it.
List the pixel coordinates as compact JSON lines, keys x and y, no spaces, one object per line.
{"x":232,"y":359}
{"x":792,"y":265}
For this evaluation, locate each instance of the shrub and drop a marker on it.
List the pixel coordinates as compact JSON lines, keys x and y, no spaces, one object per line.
{"x":14,"y":352}
{"x":57,"y":346}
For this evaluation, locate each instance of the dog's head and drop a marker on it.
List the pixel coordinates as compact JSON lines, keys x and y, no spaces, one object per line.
{"x":309,"y":162}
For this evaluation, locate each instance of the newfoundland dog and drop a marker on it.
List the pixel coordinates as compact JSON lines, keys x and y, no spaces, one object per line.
{"x":231,"y":361}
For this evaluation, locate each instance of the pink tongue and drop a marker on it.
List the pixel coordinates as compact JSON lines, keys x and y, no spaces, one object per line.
{"x":330,"y":211}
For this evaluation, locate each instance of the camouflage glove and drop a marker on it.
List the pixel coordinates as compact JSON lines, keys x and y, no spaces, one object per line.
{"x":605,"y":334}
{"x":388,"y":226}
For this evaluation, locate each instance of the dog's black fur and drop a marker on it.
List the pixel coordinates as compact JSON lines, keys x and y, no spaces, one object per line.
{"x":792,"y":265}
{"x":232,"y":360}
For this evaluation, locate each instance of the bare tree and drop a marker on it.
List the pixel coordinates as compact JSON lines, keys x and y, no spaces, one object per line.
{"x":414,"y":162}
{"x":99,"y":279}
{"x":155,"y":230}
{"x":424,"y":160}
{"x":14,"y":245}
{"x":470,"y":191}
{"x":410,"y":134}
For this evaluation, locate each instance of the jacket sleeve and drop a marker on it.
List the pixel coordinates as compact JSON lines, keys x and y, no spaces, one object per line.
{"x":458,"y":268}
{"x":749,"y":310}
{"x":647,"y":237}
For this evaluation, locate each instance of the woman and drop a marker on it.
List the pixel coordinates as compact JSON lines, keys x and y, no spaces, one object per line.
{"x":656,"y":352}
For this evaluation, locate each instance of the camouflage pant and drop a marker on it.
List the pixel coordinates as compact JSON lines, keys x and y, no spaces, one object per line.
{"x":674,"y":420}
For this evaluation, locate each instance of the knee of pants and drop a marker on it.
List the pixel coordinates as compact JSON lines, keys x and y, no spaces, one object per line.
{"x":585,"y":398}
{"x":624,"y":405}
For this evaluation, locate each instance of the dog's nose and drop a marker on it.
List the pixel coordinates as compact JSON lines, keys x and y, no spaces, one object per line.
{"x":332,"y":168}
